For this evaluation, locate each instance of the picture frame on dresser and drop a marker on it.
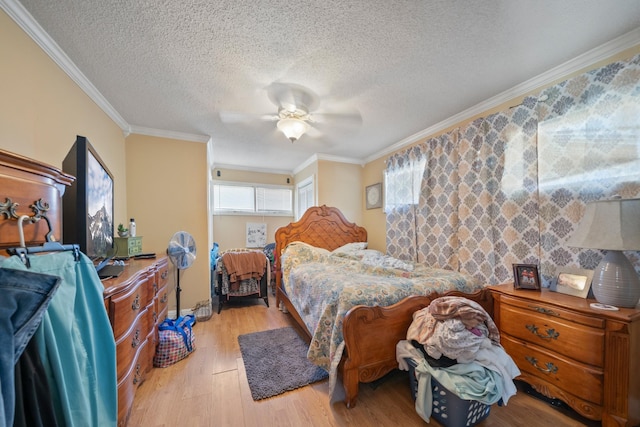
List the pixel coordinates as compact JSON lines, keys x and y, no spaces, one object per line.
{"x":526,"y":276}
{"x":573,"y":281}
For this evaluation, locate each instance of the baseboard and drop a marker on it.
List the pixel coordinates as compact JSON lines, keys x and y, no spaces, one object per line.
{"x":185,"y":311}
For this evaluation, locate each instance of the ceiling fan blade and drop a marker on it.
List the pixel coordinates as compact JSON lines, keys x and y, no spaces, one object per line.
{"x":231,"y":117}
{"x":338,"y":123}
{"x":291,"y":96}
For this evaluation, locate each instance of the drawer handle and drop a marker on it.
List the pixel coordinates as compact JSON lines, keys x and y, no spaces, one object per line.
{"x":136,"y":377}
{"x":155,"y":287}
{"x":136,"y":303}
{"x":136,"y":339}
{"x":551,"y":333}
{"x":164,"y":298}
{"x":155,"y":317}
{"x":551,"y":368}
{"x":544,"y":310}
{"x":164,"y":274}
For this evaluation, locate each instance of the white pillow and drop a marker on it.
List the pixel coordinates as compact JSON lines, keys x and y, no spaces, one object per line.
{"x":350,"y":248}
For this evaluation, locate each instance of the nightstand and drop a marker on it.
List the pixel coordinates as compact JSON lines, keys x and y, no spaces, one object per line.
{"x":565,"y":349}
{"x":127,"y":247}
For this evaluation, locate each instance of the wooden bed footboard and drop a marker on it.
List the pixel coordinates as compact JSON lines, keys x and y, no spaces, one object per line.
{"x":371,"y":335}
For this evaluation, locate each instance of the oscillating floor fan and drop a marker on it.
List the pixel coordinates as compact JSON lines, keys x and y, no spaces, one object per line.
{"x":182,"y":253}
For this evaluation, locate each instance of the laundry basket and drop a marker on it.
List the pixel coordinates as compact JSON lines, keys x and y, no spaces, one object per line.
{"x":202,"y":311}
{"x":449,"y":409}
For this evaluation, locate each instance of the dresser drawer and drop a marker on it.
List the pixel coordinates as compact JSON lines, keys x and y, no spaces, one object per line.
{"x":580,"y":380}
{"x":127,"y":386}
{"x":125,"y":307}
{"x":575,"y":340}
{"x":162,"y":300}
{"x":162,"y":274}
{"x":130,"y":343}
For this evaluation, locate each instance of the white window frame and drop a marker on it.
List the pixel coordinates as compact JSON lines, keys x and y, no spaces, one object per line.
{"x":256,"y":211}
{"x":307,"y":184}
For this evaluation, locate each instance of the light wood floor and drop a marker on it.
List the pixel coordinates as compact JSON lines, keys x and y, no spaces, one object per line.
{"x":209,"y":388}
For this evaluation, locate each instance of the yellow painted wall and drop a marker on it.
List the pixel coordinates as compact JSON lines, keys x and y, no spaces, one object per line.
{"x":42,"y":110}
{"x":167,"y":193}
{"x":229,"y":231}
{"x":374,"y":220}
{"x":340,"y":186}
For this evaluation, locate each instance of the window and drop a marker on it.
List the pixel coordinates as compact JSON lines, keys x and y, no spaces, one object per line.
{"x":306,"y":196}
{"x":252,"y":199}
{"x":402,"y":183}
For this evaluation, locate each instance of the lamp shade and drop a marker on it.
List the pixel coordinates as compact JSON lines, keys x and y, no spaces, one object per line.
{"x":609,"y":224}
{"x":613,"y":225}
{"x":292,"y":128}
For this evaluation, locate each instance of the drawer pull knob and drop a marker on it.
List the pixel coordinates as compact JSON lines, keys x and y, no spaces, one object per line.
{"x":136,"y":303}
{"x":551,"y":368}
{"x":155,"y":317}
{"x":136,"y":339}
{"x":544,"y":311}
{"x":164,"y":298}
{"x":164,"y":274}
{"x":552,"y":334}
{"x":155,"y":287}
{"x":136,"y":377}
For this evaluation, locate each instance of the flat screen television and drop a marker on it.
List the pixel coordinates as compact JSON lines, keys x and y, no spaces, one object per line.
{"x":87,"y":206}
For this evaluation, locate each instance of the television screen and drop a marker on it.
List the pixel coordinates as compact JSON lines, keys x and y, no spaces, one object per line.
{"x":88,"y":204}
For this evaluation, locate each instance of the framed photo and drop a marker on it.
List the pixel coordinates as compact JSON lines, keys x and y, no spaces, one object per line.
{"x":574,"y":281}
{"x":373,"y":196}
{"x":525,"y":276}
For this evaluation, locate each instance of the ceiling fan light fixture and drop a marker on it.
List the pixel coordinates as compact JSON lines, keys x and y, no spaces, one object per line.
{"x":292,"y":127}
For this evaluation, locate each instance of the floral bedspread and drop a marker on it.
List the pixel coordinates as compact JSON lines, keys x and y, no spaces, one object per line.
{"x":324,"y":285}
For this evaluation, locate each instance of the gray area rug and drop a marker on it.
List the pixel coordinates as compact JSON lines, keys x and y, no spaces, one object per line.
{"x":276,"y":361}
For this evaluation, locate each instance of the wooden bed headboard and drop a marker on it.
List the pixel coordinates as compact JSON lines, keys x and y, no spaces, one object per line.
{"x":32,"y":188}
{"x":320,"y":226}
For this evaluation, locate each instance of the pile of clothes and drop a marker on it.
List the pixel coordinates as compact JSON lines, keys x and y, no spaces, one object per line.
{"x":455,"y":341}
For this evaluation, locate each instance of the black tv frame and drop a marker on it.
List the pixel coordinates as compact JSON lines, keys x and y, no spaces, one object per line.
{"x":92,"y":231}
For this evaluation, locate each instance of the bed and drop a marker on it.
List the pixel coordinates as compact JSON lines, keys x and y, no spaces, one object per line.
{"x":364,"y":337}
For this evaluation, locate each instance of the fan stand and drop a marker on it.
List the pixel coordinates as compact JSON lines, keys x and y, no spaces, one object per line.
{"x":181,"y":252}
{"x":178,"y":290}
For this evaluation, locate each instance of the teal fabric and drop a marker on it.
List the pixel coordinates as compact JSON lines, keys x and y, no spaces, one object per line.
{"x":76,"y":342}
{"x":469,"y":381}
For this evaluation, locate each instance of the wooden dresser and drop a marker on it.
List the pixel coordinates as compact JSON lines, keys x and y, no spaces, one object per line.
{"x":136,"y":302}
{"x":565,"y":349}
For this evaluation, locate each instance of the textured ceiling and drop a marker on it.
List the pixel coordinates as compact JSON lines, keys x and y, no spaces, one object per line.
{"x":202,"y":67}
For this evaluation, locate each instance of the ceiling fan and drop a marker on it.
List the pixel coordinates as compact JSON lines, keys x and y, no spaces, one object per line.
{"x":298,"y":114}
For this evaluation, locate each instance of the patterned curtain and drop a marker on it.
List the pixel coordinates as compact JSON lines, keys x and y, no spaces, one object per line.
{"x":510,"y":188}
{"x":498,"y":193}
{"x":403,"y":177}
{"x":437,"y":210}
{"x":589,"y":149}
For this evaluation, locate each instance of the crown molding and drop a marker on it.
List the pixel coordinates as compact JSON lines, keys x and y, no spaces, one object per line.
{"x":319,"y":156}
{"x":23,"y":18}
{"x":140,"y":130}
{"x":587,"y":59}
{"x":250,"y":169}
